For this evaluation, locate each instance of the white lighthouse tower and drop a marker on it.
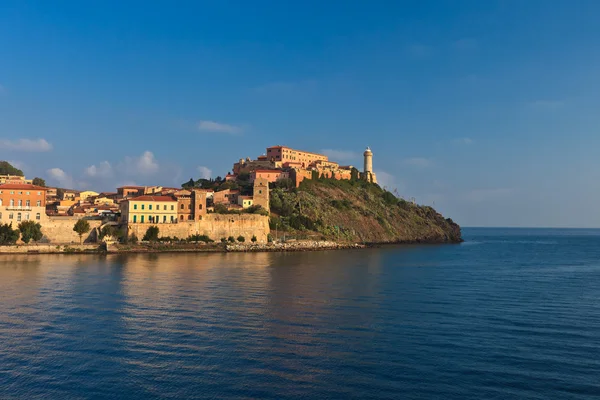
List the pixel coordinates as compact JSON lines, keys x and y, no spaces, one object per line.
{"x":368,"y":174}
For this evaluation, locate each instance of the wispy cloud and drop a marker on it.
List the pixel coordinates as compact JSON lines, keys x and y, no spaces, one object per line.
{"x":218,"y":127}
{"x":143,"y":165}
{"x":463,"y":140}
{"x":102,"y":170}
{"x":341,"y":155}
{"x":418,"y":162}
{"x":29,"y":145}
{"x":63,"y":179}
{"x":205,"y":172}
{"x":546,"y":104}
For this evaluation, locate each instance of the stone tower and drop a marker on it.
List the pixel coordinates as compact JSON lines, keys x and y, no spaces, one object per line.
{"x":261,"y":193}
{"x":368,"y":174}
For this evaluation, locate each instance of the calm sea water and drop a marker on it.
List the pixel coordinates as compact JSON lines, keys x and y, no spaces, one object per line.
{"x":508,"y":314}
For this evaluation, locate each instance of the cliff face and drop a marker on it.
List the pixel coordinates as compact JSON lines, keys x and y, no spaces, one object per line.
{"x":358,"y":211}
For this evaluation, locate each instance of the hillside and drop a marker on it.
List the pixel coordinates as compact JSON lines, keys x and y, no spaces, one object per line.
{"x":357,"y":211}
{"x":7,"y":169}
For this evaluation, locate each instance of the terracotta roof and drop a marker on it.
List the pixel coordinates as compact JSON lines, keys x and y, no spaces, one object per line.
{"x":152,"y":198}
{"x":21,"y":186}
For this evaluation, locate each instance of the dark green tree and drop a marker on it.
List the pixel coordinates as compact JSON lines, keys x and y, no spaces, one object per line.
{"x":241,"y":239}
{"x":254,"y":239}
{"x":7,"y":169}
{"x":151,"y":234}
{"x":30,"y":230}
{"x":39,"y":182}
{"x":8,"y":235}
{"x":81,"y":227}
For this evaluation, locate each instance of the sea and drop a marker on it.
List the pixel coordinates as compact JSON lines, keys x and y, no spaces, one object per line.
{"x":508,"y":314}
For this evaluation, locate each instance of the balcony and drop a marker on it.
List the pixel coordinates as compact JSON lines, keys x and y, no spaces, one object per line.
{"x":18,"y":208}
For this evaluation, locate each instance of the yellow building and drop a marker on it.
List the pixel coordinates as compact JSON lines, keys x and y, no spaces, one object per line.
{"x":149,"y":210}
{"x":83,"y":196}
{"x":245,"y":201}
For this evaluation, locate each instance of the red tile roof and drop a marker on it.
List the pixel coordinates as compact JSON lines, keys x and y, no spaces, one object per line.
{"x":152,"y":198}
{"x":21,"y":186}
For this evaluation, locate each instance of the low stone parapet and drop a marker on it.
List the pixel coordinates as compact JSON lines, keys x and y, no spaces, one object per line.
{"x":302,"y":245}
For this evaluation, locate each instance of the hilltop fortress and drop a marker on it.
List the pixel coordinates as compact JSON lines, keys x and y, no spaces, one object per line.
{"x":281,"y":162}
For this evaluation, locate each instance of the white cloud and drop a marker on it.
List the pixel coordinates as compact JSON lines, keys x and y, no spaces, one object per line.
{"x":340,"y":155}
{"x":103,"y":170}
{"x":546,"y":104}
{"x":419,"y":162}
{"x":205,"y":173}
{"x":61,"y":177}
{"x":463,"y":140}
{"x":143,"y":165}
{"x":37,"y":145}
{"x":217,"y":127}
{"x":479,"y":195}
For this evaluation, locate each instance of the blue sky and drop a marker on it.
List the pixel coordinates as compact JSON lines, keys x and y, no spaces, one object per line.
{"x":487,"y":110}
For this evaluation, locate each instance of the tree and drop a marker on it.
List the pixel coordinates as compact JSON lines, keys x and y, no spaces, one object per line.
{"x":8,"y":235}
{"x":81,"y":227}
{"x":60,"y":193}
{"x":151,"y":234}
{"x":39,"y":182}
{"x":7,"y":169}
{"x":189,"y":184}
{"x":241,"y":239}
{"x":231,"y":239}
{"x":254,"y":239}
{"x":30,"y":230}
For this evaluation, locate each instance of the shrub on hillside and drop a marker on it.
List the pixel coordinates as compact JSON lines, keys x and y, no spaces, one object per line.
{"x":8,"y":235}
{"x":151,"y":234}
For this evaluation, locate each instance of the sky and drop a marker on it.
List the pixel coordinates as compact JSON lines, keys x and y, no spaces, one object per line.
{"x":486,"y":110}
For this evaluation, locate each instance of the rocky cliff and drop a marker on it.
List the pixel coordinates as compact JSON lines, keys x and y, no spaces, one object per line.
{"x":357,"y":211}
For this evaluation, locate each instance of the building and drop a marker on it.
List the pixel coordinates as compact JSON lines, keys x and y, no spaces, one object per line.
{"x":4,"y":179}
{"x":245,"y":201}
{"x":271,"y":175}
{"x":83,"y":196}
{"x":261,"y":193}
{"x":368,"y":174}
{"x":191,"y":204}
{"x":285,"y":155}
{"x":149,"y":210}
{"x":227,"y":196}
{"x":22,"y":202}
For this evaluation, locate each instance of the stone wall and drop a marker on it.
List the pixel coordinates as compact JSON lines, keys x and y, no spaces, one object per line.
{"x":215,"y":226}
{"x":48,"y":248}
{"x":60,"y":230}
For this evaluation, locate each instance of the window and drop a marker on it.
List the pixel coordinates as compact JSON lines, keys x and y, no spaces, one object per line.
{"x":189,"y":206}
{"x":134,"y":219}
{"x":39,"y":193}
{"x":142,"y":218}
{"x":12,"y":202}
{"x":165,"y":207}
{"x":12,"y":192}
{"x":164,"y":219}
{"x":11,"y":216}
{"x":172,"y":219}
{"x":150,"y":207}
{"x":27,"y":193}
{"x":172,"y":207}
{"x":38,"y":216}
{"x":39,"y":203}
{"x":20,"y":203}
{"x":182,"y":206}
{"x":28,"y":203}
{"x":18,"y":217}
{"x":135,"y":206}
{"x":190,"y":217}
{"x":199,"y":206}
{"x":26,"y":216}
{"x":142,"y":209}
{"x":181,"y":218}
{"x":20,"y":192}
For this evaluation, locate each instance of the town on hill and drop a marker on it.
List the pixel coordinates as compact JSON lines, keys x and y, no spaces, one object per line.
{"x":237,"y":205}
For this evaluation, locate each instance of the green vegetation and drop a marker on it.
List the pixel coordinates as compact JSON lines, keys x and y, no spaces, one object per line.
{"x":81,"y":227}
{"x":231,"y":239}
{"x":8,"y":235}
{"x":111,"y":230}
{"x":254,"y":239}
{"x":151,"y":234}
{"x":200,"y":238}
{"x":222,"y":209}
{"x":39,"y":182}
{"x":241,"y":239}
{"x":7,"y":169}
{"x":30,"y":230}
{"x":356,"y":210}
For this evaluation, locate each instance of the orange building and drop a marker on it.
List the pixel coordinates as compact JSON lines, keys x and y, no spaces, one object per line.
{"x":21,"y":202}
{"x":271,"y":175}
{"x":227,"y":196}
{"x":285,"y":154}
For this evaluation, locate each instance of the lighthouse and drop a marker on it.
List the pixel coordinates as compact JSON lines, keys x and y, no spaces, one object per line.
{"x":368,"y":174}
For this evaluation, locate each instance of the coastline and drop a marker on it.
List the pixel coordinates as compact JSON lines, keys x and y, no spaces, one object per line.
{"x":153,"y":248}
